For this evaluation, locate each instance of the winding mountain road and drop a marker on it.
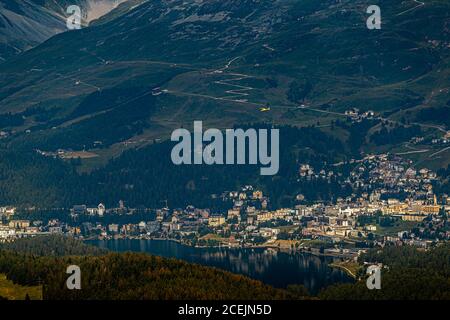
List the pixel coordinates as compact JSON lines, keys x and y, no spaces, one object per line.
{"x":420,"y":4}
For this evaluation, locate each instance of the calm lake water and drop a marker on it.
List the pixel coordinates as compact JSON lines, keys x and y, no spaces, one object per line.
{"x":278,"y":269}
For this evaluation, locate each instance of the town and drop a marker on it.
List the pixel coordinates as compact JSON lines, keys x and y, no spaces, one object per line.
{"x":370,"y":217}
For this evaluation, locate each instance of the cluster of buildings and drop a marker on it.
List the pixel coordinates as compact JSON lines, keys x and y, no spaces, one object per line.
{"x":390,"y":184}
{"x":356,"y":115}
{"x":19,"y":228}
{"x":385,"y":186}
{"x":445,"y":140}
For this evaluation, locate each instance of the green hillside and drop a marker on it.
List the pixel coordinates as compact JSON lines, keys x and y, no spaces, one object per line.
{"x":408,"y":274}
{"x":11,"y":291}
{"x":140,"y":72}
{"x":324,"y":46}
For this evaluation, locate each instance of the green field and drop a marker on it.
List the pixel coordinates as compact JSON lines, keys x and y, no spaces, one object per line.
{"x":12,"y":291}
{"x":398,"y":227}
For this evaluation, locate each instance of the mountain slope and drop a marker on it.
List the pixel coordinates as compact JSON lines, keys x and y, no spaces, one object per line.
{"x":327,"y":40}
{"x":90,"y":9}
{"x":24,"y":24}
{"x":220,"y":61}
{"x":27,"y":23}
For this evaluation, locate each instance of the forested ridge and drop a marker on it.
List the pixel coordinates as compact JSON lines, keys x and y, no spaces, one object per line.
{"x":123,"y":276}
{"x":29,"y":179}
{"x":52,"y":245}
{"x":409,"y":273}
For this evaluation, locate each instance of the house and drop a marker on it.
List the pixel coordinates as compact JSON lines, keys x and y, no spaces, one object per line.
{"x":216,"y":221}
{"x":142,"y":225}
{"x":6,"y":232}
{"x":55,"y":230}
{"x":19,"y":224}
{"x":113,"y":228}
{"x":7,"y":211}
{"x":242,"y":196}
{"x":101,"y":209}
{"x":257,"y":195}
{"x":268,"y":232}
{"x":233,"y":213}
{"x":264,"y":216}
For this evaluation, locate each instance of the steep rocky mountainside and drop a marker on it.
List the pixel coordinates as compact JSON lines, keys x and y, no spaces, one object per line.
{"x":27,"y":23}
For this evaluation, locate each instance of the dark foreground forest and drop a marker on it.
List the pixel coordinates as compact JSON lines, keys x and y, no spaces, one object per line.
{"x":408,"y":273}
{"x":124,"y":276}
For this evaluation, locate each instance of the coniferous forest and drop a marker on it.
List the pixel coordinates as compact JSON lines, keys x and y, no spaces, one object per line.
{"x":408,"y":273}
{"x":124,"y":276}
{"x":30,"y":179}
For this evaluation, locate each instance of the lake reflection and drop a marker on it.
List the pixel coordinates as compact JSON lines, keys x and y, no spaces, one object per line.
{"x":278,"y":269}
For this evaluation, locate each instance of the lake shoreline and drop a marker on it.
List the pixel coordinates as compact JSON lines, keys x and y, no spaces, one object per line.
{"x":309,"y":250}
{"x":274,"y":266}
{"x":347,"y":269}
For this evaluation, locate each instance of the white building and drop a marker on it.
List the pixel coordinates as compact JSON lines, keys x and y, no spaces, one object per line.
{"x":101,"y":209}
{"x":6,"y":232}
